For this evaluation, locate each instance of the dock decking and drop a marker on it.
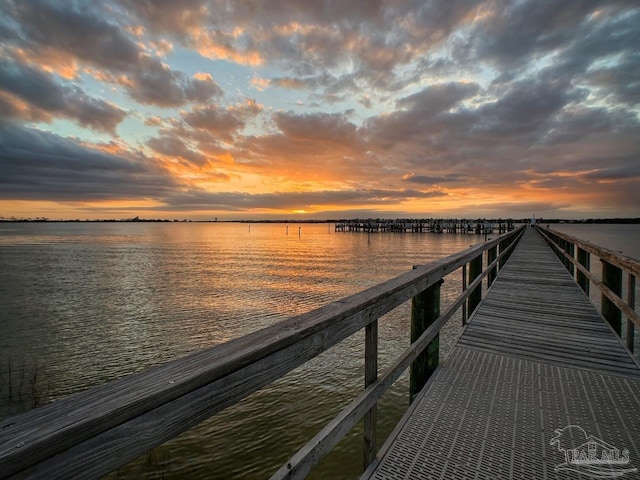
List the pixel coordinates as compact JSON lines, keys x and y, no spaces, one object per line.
{"x":535,"y":358}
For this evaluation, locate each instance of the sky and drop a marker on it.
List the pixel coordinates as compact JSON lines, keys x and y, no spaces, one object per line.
{"x":298,"y":109}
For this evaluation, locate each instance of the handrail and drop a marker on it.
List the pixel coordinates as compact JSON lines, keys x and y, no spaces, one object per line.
{"x":613,"y":264}
{"x":628,"y":264}
{"x":94,"y":432}
{"x":310,"y":455}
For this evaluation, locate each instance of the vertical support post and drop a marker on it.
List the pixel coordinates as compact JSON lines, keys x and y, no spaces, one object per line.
{"x":571,"y":251}
{"x":370,"y":374}
{"x":503,"y":246}
{"x":584,"y":259}
{"x":492,"y":253}
{"x":464,"y":287}
{"x":475,"y":269}
{"x":631,"y":301}
{"x":612,"y":278}
{"x":425,"y":309}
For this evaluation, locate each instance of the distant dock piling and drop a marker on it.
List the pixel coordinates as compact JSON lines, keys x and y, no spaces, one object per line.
{"x":477,"y":227}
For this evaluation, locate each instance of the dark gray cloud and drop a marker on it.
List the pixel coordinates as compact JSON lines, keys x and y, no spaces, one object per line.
{"x":620,"y":83}
{"x":239,"y":201}
{"x":435,"y":180}
{"x":44,"y":97}
{"x":94,"y":33}
{"x":154,"y":83}
{"x":38,"y":165}
{"x":173,"y":146}
{"x":424,"y":116}
{"x":82,"y":29}
{"x":438,"y":98}
{"x":330,"y":127}
{"x":514,"y":31}
{"x":214,"y":119}
{"x":525,"y":108}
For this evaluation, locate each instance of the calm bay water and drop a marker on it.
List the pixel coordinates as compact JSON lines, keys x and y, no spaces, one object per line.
{"x":85,"y":303}
{"x":623,"y":239}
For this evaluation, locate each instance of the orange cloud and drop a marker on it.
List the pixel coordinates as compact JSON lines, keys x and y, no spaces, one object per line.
{"x":50,"y":60}
{"x":212,"y":46}
{"x":258,"y":83}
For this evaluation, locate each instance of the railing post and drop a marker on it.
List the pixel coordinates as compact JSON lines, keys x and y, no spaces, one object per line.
{"x":570,"y":249}
{"x":612,"y":278}
{"x":464,"y":287}
{"x":631,"y":301}
{"x":503,"y":245}
{"x":425,"y":309}
{"x":475,"y":269}
{"x":492,"y":253}
{"x":584,"y":259}
{"x":370,"y":374}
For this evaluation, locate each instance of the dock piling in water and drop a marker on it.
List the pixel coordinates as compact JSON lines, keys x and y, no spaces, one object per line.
{"x":429,"y":225}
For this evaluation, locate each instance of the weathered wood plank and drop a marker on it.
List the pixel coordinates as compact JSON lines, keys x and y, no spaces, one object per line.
{"x":542,"y":313}
{"x":610,"y":296}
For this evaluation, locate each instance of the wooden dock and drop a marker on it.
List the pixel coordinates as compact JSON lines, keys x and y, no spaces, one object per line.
{"x":426,"y":225}
{"x":537,"y":370}
{"x":539,"y":386}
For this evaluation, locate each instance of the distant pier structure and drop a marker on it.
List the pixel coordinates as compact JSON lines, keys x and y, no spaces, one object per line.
{"x":431,"y":225}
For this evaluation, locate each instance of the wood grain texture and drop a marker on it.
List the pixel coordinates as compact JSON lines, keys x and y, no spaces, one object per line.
{"x":536,"y":310}
{"x":607,"y":293}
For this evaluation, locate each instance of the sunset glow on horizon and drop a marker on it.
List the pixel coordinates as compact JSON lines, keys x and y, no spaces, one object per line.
{"x":308,"y":110}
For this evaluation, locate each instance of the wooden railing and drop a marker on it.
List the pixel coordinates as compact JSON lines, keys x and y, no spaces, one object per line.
{"x":94,"y":432}
{"x":576,"y":256}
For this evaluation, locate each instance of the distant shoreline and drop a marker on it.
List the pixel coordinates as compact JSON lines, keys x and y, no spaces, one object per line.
{"x":143,"y":220}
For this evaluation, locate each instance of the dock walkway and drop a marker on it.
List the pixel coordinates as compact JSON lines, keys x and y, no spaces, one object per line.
{"x":536,"y":377}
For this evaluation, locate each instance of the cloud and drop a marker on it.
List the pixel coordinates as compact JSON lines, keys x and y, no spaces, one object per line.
{"x":31,"y":94}
{"x":438,"y":98}
{"x":431,"y":180}
{"x":371,"y":39}
{"x":312,"y":146}
{"x":289,"y":201}
{"x":214,"y":119}
{"x":93,"y":34}
{"x":512,"y":31}
{"x":332,"y":128}
{"x":492,"y":101}
{"x":525,"y":108}
{"x":38,"y":165}
{"x":153,"y":83}
{"x":173,"y":146}
{"x":425,"y":115}
{"x":177,"y":18}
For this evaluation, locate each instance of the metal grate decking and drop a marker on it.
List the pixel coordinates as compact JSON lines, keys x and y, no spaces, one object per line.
{"x":535,"y":358}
